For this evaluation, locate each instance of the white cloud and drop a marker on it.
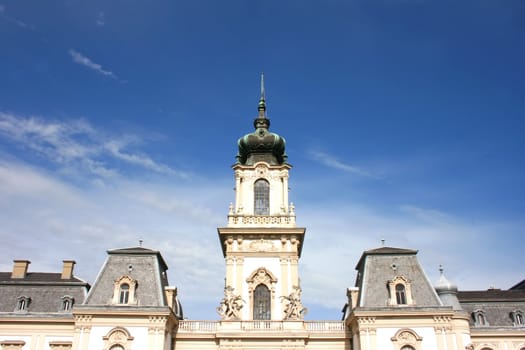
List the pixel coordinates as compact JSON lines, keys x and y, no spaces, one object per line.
{"x":115,"y":148}
{"x":77,"y":146}
{"x":333,"y":162}
{"x":101,"y":21}
{"x":38,"y":209}
{"x":81,"y":221}
{"x":12,"y":19}
{"x":85,"y":61}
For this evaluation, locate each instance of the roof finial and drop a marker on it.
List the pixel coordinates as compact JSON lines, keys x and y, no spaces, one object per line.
{"x":140,"y":242}
{"x":262,"y":100}
{"x":441,"y":269}
{"x":382,"y":242}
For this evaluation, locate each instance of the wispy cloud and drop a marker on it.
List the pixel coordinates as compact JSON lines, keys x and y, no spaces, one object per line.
{"x":76,"y":144}
{"x":12,"y":19}
{"x":86,"y":61}
{"x":83,"y":222}
{"x":332,"y":162}
{"x":101,"y":19}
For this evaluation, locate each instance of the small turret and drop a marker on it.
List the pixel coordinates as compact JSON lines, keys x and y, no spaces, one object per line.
{"x":447,"y":291}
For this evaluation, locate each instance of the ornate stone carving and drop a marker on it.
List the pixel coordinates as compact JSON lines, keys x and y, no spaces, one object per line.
{"x":293,"y":308}
{"x":60,"y":345}
{"x":231,"y":305}
{"x":262,"y":245}
{"x":117,"y":336}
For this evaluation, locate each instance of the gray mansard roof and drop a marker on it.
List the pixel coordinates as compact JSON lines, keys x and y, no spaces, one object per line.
{"x":497,"y":305}
{"x":45,"y":291}
{"x":377,"y":267}
{"x":145,"y":266}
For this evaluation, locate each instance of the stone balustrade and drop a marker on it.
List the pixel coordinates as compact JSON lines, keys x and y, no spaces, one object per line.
{"x":332,"y":327}
{"x":236,"y":220}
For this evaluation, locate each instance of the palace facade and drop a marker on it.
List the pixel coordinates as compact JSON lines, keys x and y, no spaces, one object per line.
{"x":131,"y":305}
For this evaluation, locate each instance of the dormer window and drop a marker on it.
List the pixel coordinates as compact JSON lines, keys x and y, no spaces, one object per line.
{"x":124,"y":292}
{"x":517,"y":318}
{"x":22,"y":304}
{"x":67,"y":303}
{"x":401,"y":296}
{"x":400,"y":291}
{"x":479,"y":318}
{"x":261,"y":195}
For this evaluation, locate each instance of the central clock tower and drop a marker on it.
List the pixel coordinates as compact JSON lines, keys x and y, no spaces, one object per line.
{"x":261,"y":243}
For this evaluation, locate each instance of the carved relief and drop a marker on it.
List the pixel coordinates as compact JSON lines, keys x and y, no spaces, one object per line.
{"x":262,"y":245}
{"x":12,"y":344}
{"x":118,"y":336}
{"x":261,"y":171}
{"x":60,"y":345}
{"x":406,"y":337}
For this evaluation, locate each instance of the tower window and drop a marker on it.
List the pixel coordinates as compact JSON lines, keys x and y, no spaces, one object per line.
{"x":401,"y":297}
{"x":124,"y":294}
{"x":261,"y":303}
{"x":261,"y":197}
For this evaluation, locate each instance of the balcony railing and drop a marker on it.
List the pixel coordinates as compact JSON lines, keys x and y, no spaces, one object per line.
{"x":186,"y":326}
{"x":260,"y":220}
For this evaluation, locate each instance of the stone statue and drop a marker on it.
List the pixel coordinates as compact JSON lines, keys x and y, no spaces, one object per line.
{"x":231,"y":305}
{"x":293,"y":308}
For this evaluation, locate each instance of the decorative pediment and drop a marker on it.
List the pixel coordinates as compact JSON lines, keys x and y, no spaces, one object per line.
{"x":262,"y":275}
{"x":406,"y":338}
{"x":118,"y":336}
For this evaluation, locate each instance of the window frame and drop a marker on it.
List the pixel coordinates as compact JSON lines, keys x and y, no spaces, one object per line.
{"x":22,"y":304}
{"x":261,"y":197}
{"x":262,"y":297}
{"x":131,"y":293}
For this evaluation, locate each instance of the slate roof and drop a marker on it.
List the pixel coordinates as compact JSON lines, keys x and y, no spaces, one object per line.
{"x":496,"y":304}
{"x":45,"y":290}
{"x":519,"y":285}
{"x":144,"y":265}
{"x":378,"y":266}
{"x":37,"y":277}
{"x":385,"y":251}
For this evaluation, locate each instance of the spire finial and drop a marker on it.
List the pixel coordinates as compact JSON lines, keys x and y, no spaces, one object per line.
{"x":262,"y":100}
{"x":441,"y":269}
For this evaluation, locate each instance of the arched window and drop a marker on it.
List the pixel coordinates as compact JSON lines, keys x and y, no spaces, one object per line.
{"x":22,"y":303}
{"x":407,"y":347}
{"x":67,"y":303}
{"x":401,"y":296}
{"x":479,"y":318}
{"x":124,"y":294}
{"x":116,"y":347}
{"x":262,"y":303}
{"x":517,"y":318}
{"x":261,"y":195}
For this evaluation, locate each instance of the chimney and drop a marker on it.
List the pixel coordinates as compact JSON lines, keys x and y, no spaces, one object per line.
{"x":67,"y":269}
{"x":20,"y":268}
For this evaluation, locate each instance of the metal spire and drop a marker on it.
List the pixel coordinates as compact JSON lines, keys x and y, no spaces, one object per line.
{"x":262,"y":100}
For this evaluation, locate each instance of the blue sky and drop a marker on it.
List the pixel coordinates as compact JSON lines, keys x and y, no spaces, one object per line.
{"x":404,"y":121}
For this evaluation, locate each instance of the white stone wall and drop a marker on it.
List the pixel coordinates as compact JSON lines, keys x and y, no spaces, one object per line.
{"x":271,"y":264}
{"x":139,"y":334}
